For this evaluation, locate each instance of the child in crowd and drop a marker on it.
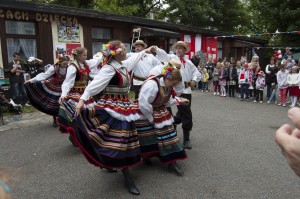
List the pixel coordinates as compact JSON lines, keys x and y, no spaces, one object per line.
{"x":222,"y":80}
{"x":238,"y":71}
{"x":232,"y":76}
{"x":244,"y":81}
{"x":216,"y":75}
{"x":282,"y":84}
{"x":260,"y":84}
{"x":199,"y":85}
{"x":204,"y":80}
{"x":273,"y":88}
{"x":293,"y":80}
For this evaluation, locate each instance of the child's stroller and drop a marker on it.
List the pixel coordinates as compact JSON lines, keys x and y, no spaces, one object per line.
{"x":8,"y":105}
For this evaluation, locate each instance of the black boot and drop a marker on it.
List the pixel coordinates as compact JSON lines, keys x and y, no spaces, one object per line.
{"x":54,"y":124}
{"x":147,"y":162}
{"x":186,"y":140}
{"x":72,"y":141}
{"x":129,"y":184}
{"x":173,"y":167}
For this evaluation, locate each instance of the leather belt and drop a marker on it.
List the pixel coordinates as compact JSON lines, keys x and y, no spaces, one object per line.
{"x":138,"y":78}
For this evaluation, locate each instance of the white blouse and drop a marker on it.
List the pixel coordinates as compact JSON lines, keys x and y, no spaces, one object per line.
{"x":147,"y":95}
{"x":71,"y":74}
{"x":106,"y":73}
{"x":190,"y":71}
{"x":43,"y":76}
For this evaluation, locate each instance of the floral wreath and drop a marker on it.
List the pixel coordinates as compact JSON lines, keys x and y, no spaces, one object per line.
{"x":109,"y":50}
{"x":60,"y":56}
{"x":166,"y":72}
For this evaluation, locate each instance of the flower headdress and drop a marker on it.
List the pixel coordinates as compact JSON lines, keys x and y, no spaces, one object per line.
{"x":61,"y":58}
{"x":109,"y":50}
{"x":166,"y":72}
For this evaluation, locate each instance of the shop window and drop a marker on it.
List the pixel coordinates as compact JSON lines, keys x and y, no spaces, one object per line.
{"x":99,"y":36}
{"x":19,"y":28}
{"x":21,"y":38}
{"x":26,"y":48}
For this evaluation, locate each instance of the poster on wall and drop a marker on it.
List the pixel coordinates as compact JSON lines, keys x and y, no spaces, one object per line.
{"x":68,"y":33}
{"x":69,"y":49}
{"x":60,"y":49}
{"x":212,"y":48}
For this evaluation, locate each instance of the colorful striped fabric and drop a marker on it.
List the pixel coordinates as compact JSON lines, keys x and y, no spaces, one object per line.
{"x":44,"y":96}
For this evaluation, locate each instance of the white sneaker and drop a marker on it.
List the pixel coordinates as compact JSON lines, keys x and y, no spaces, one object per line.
{"x":254,"y":101}
{"x":218,"y":93}
{"x":260,"y":102}
{"x":283,"y":105}
{"x":206,"y":91}
{"x":268,"y":102}
{"x":14,"y":104}
{"x":215,"y":93}
{"x":27,"y":104}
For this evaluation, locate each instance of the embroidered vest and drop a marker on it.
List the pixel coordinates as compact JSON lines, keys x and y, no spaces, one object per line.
{"x":162,"y":97}
{"x":119,"y":84}
{"x":82,"y":77}
{"x":57,"y":77}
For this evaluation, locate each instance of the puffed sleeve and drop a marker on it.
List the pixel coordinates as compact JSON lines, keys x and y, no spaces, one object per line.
{"x":162,"y":56}
{"x":132,"y":61}
{"x":147,"y":95}
{"x":69,"y":81}
{"x":43,"y":76}
{"x":93,"y":63}
{"x":99,"y":83}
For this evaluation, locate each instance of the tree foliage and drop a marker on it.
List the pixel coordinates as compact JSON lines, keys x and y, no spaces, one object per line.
{"x":214,"y":14}
{"x":273,"y":15}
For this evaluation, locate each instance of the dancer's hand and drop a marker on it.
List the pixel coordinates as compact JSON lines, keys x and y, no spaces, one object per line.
{"x":193,"y":83}
{"x":289,"y":140}
{"x":79,"y":106}
{"x":184,"y":102}
{"x":61,"y":100}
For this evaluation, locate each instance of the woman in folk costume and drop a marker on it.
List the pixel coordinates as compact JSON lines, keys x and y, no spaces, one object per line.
{"x":76,"y":80}
{"x":44,"y":90}
{"x":106,"y":133}
{"x":157,"y":134}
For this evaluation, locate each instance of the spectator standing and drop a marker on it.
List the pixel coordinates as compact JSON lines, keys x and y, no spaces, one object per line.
{"x":17,"y":71}
{"x":259,"y":85}
{"x":293,"y":80}
{"x":33,"y":66}
{"x":282,"y":84}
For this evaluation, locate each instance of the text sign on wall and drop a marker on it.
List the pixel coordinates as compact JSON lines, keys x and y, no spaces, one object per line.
{"x":22,"y":15}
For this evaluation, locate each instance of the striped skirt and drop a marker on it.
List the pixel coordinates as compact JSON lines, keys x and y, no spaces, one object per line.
{"x":161,"y":142}
{"x":44,"y":96}
{"x":104,"y":140}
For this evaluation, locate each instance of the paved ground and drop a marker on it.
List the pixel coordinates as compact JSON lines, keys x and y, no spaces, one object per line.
{"x":233,"y":156}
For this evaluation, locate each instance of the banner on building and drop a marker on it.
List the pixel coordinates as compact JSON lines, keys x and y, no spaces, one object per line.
{"x":210,"y":47}
{"x":68,"y":33}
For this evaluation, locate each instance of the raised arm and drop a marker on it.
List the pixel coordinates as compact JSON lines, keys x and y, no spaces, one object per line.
{"x":43,"y":76}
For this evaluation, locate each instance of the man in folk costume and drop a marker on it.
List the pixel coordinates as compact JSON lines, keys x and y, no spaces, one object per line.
{"x":142,"y":70}
{"x":190,"y":77}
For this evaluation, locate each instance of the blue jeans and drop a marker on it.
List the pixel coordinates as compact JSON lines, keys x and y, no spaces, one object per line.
{"x":19,"y":99}
{"x":244,"y":90}
{"x":273,"y":90}
{"x":205,"y":86}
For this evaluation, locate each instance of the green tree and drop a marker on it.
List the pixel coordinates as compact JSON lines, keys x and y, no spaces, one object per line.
{"x":273,"y":15}
{"x":213,"y":14}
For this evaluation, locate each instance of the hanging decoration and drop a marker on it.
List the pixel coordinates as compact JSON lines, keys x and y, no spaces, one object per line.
{"x":257,"y":34}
